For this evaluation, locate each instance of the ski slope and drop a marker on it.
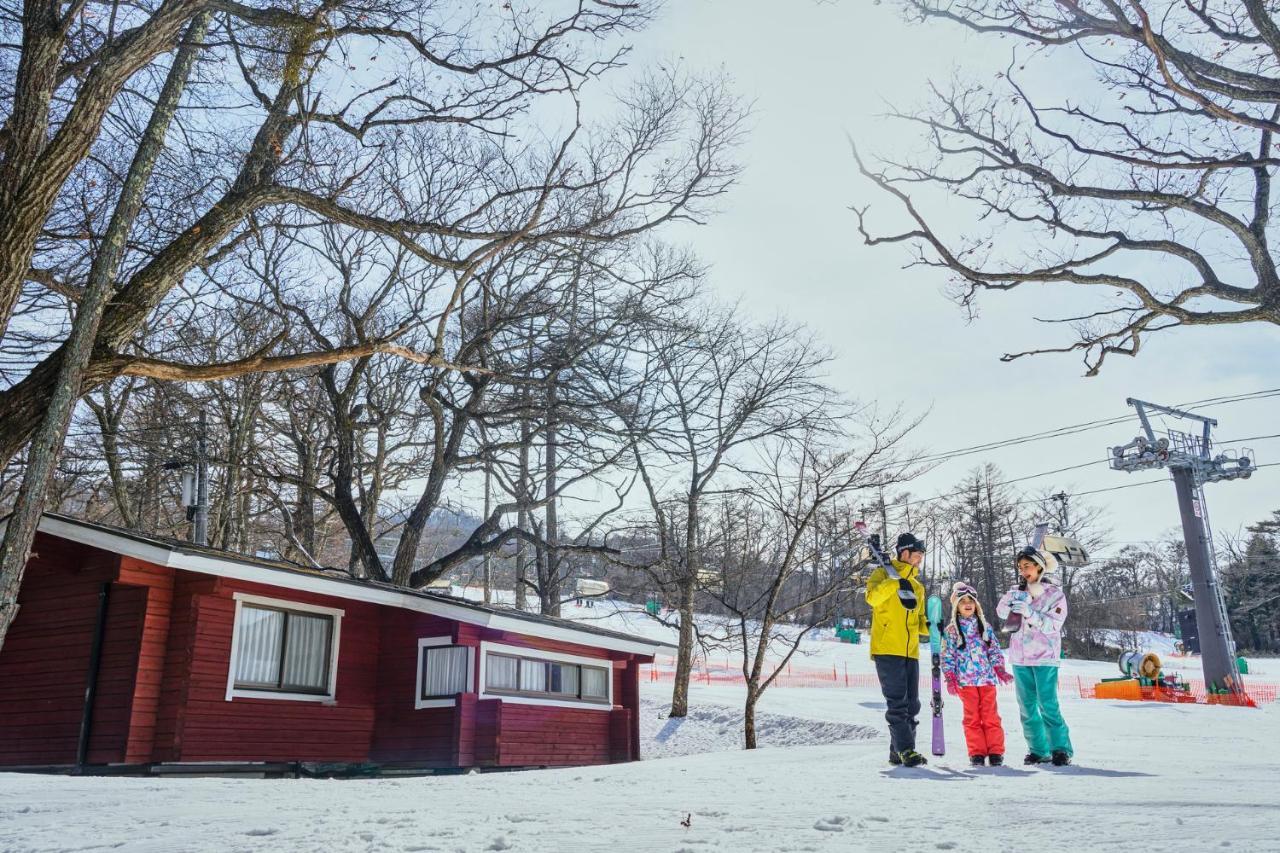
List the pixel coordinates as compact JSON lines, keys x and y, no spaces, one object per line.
{"x":1149,"y":777}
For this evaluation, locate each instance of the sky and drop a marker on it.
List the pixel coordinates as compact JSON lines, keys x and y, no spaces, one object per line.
{"x":785,"y":243}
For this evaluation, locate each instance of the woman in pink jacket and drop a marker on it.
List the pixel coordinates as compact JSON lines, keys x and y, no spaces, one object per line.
{"x":1034,"y":651}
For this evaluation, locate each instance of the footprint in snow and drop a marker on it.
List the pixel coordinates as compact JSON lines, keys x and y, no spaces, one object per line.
{"x":270,"y":830}
{"x":831,"y":824}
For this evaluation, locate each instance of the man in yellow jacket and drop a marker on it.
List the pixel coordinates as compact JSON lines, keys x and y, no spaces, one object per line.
{"x":897,"y":625}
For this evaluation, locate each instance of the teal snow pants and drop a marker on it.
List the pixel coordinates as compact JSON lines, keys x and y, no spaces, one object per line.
{"x":1042,"y":723}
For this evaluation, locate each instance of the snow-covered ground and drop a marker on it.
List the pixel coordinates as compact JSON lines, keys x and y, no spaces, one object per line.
{"x":1146,"y":641}
{"x":1149,"y":777}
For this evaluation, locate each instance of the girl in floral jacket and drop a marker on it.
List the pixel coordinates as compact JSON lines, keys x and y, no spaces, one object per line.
{"x":973,"y":665}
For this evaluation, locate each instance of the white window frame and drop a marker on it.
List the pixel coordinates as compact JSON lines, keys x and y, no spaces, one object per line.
{"x":426,"y":642}
{"x":557,"y":657}
{"x":329,"y":697}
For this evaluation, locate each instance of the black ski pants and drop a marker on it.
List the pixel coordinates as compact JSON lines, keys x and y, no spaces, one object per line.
{"x":900,"y":684}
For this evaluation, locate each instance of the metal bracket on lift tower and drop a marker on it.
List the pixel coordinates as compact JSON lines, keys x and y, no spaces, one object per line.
{"x":1180,"y":449}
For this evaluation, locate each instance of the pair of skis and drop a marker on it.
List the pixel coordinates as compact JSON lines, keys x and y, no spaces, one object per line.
{"x":933,"y":612}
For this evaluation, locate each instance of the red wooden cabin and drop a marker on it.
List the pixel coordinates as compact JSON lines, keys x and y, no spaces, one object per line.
{"x":135,"y":653}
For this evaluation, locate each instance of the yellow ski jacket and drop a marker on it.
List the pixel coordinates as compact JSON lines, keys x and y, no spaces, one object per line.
{"x":894,"y":629}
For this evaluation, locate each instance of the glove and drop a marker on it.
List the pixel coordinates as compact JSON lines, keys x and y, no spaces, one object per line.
{"x":906,"y":595}
{"x":953,"y":684}
{"x":1020,"y":606}
{"x":1003,"y":675}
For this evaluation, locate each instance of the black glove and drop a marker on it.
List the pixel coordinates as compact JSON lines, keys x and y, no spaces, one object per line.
{"x":906,"y":594}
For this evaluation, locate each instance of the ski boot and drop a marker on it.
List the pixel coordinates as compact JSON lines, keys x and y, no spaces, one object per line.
{"x":894,"y":759}
{"x":995,"y":760}
{"x":911,"y":758}
{"x":1060,"y":758}
{"x":1033,"y":758}
{"x":977,"y":760}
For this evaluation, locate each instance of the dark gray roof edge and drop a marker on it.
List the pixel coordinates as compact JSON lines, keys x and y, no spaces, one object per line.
{"x":340,"y":576}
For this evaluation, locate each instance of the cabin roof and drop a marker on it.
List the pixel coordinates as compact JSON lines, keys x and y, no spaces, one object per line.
{"x":177,"y":554}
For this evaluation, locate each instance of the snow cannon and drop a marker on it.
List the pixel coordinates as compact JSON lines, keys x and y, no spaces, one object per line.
{"x":1143,"y":680}
{"x":1142,"y":666}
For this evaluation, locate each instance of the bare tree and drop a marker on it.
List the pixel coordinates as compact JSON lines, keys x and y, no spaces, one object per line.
{"x":719,"y":385}
{"x":1153,"y":201}
{"x":771,"y":579}
{"x":122,"y":198}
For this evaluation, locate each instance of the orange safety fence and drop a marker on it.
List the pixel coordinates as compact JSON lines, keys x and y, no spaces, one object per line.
{"x":792,"y":676}
{"x":725,"y":672}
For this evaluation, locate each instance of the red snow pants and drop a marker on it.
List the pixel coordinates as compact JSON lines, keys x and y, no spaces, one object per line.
{"x":982,"y":729}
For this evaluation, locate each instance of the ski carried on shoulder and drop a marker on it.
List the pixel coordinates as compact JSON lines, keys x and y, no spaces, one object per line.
{"x":872,"y":542}
{"x":933,"y":611}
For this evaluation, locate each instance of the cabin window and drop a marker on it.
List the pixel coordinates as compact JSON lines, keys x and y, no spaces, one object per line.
{"x":595,"y":683}
{"x":503,"y":673}
{"x":279,"y":648}
{"x":444,"y":671}
{"x":538,"y":677}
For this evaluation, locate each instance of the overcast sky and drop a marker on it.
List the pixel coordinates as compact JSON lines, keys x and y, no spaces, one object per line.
{"x":787,"y":243}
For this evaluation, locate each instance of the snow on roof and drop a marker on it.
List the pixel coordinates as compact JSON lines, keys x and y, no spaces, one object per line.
{"x":187,"y":556}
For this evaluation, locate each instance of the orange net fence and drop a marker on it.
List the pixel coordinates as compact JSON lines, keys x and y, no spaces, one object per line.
{"x":723,"y":671}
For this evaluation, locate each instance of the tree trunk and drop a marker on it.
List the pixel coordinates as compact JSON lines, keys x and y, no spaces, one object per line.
{"x":54,"y":420}
{"x":684,"y":650}
{"x":749,"y":717}
{"x":522,"y":518}
{"x":488,"y":503}
{"x":688,"y":587}
{"x":549,"y":586}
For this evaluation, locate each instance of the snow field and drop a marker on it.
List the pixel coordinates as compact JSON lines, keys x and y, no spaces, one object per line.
{"x":1150,"y":777}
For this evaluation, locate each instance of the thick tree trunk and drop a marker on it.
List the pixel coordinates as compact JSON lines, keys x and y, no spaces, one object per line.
{"x":749,"y":717}
{"x":36,"y":163}
{"x":549,"y":586}
{"x":53,"y":422}
{"x":304,"y":514}
{"x":522,"y":518}
{"x":684,"y":650}
{"x":688,"y":585}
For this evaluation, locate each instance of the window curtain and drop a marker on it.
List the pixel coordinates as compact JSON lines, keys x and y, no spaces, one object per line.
{"x":258,"y":646}
{"x":533,"y":675}
{"x":445,"y":671}
{"x":564,"y":679}
{"x":500,"y":673}
{"x":595,"y":682}
{"x":306,"y":658}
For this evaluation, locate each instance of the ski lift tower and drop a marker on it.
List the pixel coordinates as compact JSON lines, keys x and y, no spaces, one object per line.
{"x":1190,"y":460}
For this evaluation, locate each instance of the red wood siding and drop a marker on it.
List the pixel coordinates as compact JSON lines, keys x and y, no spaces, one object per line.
{"x":44,"y":663}
{"x":488,"y":724}
{"x":213,"y":729}
{"x":118,"y":666}
{"x":157,"y":581}
{"x":403,"y":734}
{"x":537,"y":734}
{"x":188,"y":589}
